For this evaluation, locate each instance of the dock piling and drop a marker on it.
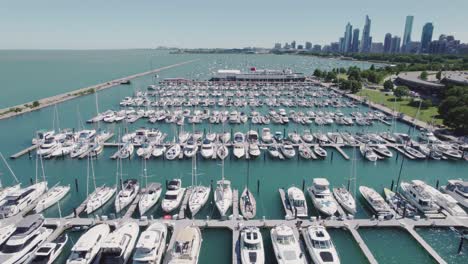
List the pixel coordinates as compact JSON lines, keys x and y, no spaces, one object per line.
{"x":460,"y":245}
{"x":31,"y":181}
{"x":258,"y":186}
{"x":303,"y":184}
{"x":437,"y":184}
{"x":391,"y":186}
{"x":76,"y":184}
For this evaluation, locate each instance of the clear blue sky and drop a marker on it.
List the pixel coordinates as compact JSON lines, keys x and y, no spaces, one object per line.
{"x":96,"y":24}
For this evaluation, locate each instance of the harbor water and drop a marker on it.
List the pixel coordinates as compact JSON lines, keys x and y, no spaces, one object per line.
{"x":37,"y":74}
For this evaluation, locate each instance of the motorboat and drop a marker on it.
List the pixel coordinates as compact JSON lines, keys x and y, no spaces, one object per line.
{"x":319,"y":245}
{"x":173,"y":197}
{"x":145,"y":150}
{"x":413,"y":152}
{"x":127,"y":194}
{"x":5,"y":232}
{"x":80,"y":150}
{"x":52,"y":197}
{"x":416,"y":193}
{"x":28,"y":235}
{"x":286,"y":245}
{"x":305,"y":152}
{"x":99,"y":197}
{"x":223,"y":196}
{"x":254,"y":150}
{"x":345,"y":199}
{"x":88,"y":245}
{"x":297,"y":201}
{"x":41,"y":136}
{"x":368,"y":153}
{"x":210,"y":136}
{"x":187,"y":246}
{"x":47,"y":253}
{"x":278,"y":136}
{"x":190,"y":149}
{"x":4,"y":192}
{"x":382,"y":151}
{"x":399,"y":204}
{"x":225,"y":137}
{"x":458,"y":189}
{"x":65,"y":149}
{"x":118,"y":245}
{"x":294,"y":137}
{"x":273,"y":151}
{"x":158,"y":150}
{"x":96,"y":148}
{"x":267,"y":137}
{"x":19,"y":200}
{"x":251,"y":246}
{"x":149,"y":197}
{"x":184,"y":136}
{"x":321,"y":152}
{"x":446,"y":202}
{"x":288,"y":150}
{"x":47,"y":147}
{"x":247,"y":204}
{"x":173,"y":152}
{"x":151,"y":245}
{"x":428,"y":137}
{"x":322,"y":197}
{"x":207,"y":149}
{"x":376,"y":202}
{"x":239,"y":150}
{"x":307,"y":136}
{"x":126,"y":151}
{"x":222,"y":152}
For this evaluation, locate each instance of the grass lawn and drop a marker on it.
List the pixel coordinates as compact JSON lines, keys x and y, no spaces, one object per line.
{"x":427,"y":115}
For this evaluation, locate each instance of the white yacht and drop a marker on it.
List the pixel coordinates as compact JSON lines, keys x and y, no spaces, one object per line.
{"x":52,"y":197}
{"x":446,"y":202}
{"x":198,"y":198}
{"x":186,"y":247}
{"x":126,"y":151}
{"x":251,"y":246}
{"x":368,"y":153}
{"x":416,"y":193}
{"x":47,"y":147}
{"x":118,"y":245}
{"x":239,"y":148}
{"x":151,"y":245}
{"x":17,"y":201}
{"x":376,"y":202}
{"x":87,"y":247}
{"x":247,"y":204}
{"x":254,"y":150}
{"x":267,"y":137}
{"x":322,"y":197}
{"x":321,"y":152}
{"x":207,"y":149}
{"x":223,"y":196}
{"x":190,"y":149}
{"x":173,"y":196}
{"x":458,"y":189}
{"x":307,"y":136}
{"x":288,"y":150}
{"x":345,"y":199}
{"x":382,"y":151}
{"x":320,"y":246}
{"x":28,"y":235}
{"x":127,"y":194}
{"x":149,"y":197}
{"x":6,"y":232}
{"x":48,"y":252}
{"x":4,"y":192}
{"x":286,"y":246}
{"x":297,"y":201}
{"x":158,"y":150}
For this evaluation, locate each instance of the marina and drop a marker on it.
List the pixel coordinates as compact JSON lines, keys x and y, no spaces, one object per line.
{"x":305,"y":150}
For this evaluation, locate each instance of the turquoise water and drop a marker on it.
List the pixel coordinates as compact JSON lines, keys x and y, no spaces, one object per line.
{"x":445,"y":242}
{"x":97,"y":66}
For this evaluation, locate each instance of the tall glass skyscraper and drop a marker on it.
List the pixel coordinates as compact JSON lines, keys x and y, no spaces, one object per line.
{"x":407,"y":33}
{"x":426,"y":37}
{"x":366,"y":41}
{"x":355,"y":44}
{"x":348,"y":38}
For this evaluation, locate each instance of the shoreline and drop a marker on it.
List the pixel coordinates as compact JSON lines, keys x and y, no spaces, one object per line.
{"x":27,"y":107}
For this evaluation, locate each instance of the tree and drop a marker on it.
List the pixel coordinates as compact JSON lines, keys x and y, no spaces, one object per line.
{"x":372,"y":67}
{"x":454,"y":109}
{"x":356,"y":86}
{"x":401,"y":91}
{"x":330,"y":76}
{"x":318,"y":73}
{"x":354,"y":73}
{"x":423,"y":75}
{"x":388,"y":85}
{"x":439,"y":75}
{"x":35,"y":104}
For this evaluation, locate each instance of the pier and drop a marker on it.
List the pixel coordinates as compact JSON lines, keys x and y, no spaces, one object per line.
{"x":24,"y":151}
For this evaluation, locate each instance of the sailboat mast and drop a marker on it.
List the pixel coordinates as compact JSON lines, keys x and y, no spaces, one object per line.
{"x":87,"y":178}
{"x":92,"y":171}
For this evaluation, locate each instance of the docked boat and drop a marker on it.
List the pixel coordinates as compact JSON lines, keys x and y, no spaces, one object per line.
{"x":319,"y":245}
{"x":5,"y":191}
{"x":247,"y":204}
{"x":267,"y":137}
{"x":151,"y":245}
{"x":446,"y":202}
{"x":399,"y":204}
{"x":345,"y":199}
{"x":19,"y":200}
{"x":127,"y":194}
{"x":118,"y":245}
{"x":458,"y":189}
{"x":47,"y":253}
{"x":87,"y":247}
{"x":207,"y":149}
{"x":413,"y":152}
{"x":149,"y":197}
{"x":416,"y":193}
{"x":254,"y":150}
{"x":5,"y":232}
{"x":145,"y":151}
{"x":222,"y":152}
{"x":273,"y":151}
{"x":99,"y":197}
{"x":376,"y":202}
{"x":368,"y":153}
{"x":158,"y":150}
{"x":305,"y":152}
{"x":382,"y":151}
{"x":47,"y":147}
{"x":28,"y":235}
{"x":198,"y":198}
{"x":288,"y":150}
{"x":251,"y":246}
{"x":173,"y":197}
{"x":239,"y":148}
{"x":294,"y":137}
{"x":297,"y":201}
{"x":322,"y":197}
{"x":52,"y":197}
{"x":173,"y":152}
{"x":286,"y":245}
{"x":187,"y":246}
{"x":190,"y":149}
{"x":321,"y":152}
{"x":223,"y":196}
{"x":126,"y":151}
{"x":307,"y":136}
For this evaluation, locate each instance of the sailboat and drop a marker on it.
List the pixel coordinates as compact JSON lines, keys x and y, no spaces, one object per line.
{"x":223,"y":194}
{"x":101,"y":195}
{"x":52,"y":196}
{"x":247,"y":203}
{"x":150,"y":195}
{"x":200,"y":194}
{"x":342,"y":195}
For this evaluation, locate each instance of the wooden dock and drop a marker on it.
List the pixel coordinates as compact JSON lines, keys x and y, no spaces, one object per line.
{"x":235,"y":203}
{"x":287,"y":208}
{"x":341,"y":151}
{"x":24,"y":151}
{"x":184,"y":205}
{"x":133,"y":206}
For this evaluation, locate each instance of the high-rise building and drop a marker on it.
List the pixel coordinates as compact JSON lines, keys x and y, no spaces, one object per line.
{"x":407,"y":33}
{"x":286,"y":46}
{"x":355,"y":44}
{"x":293,"y":44}
{"x":387,"y":43}
{"x":377,"y":47}
{"x":426,"y":37}
{"x":341,"y":45}
{"x":366,"y":41}
{"x":299,"y":47}
{"x":395,"y":44}
{"x":277,"y":46}
{"x":317,"y":48}
{"x":308,"y":45}
{"x":348,"y":36}
{"x":335,"y":47}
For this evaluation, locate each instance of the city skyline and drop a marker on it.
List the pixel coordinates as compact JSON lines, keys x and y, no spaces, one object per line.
{"x":93,"y":25}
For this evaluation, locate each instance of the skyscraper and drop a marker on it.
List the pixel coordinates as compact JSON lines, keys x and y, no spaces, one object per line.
{"x":366,"y":41}
{"x":395,"y":44}
{"x":348,"y":38}
{"x":407,"y":33}
{"x":387,"y":42}
{"x":293,"y":44}
{"x":355,"y":44}
{"x":426,"y":37}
